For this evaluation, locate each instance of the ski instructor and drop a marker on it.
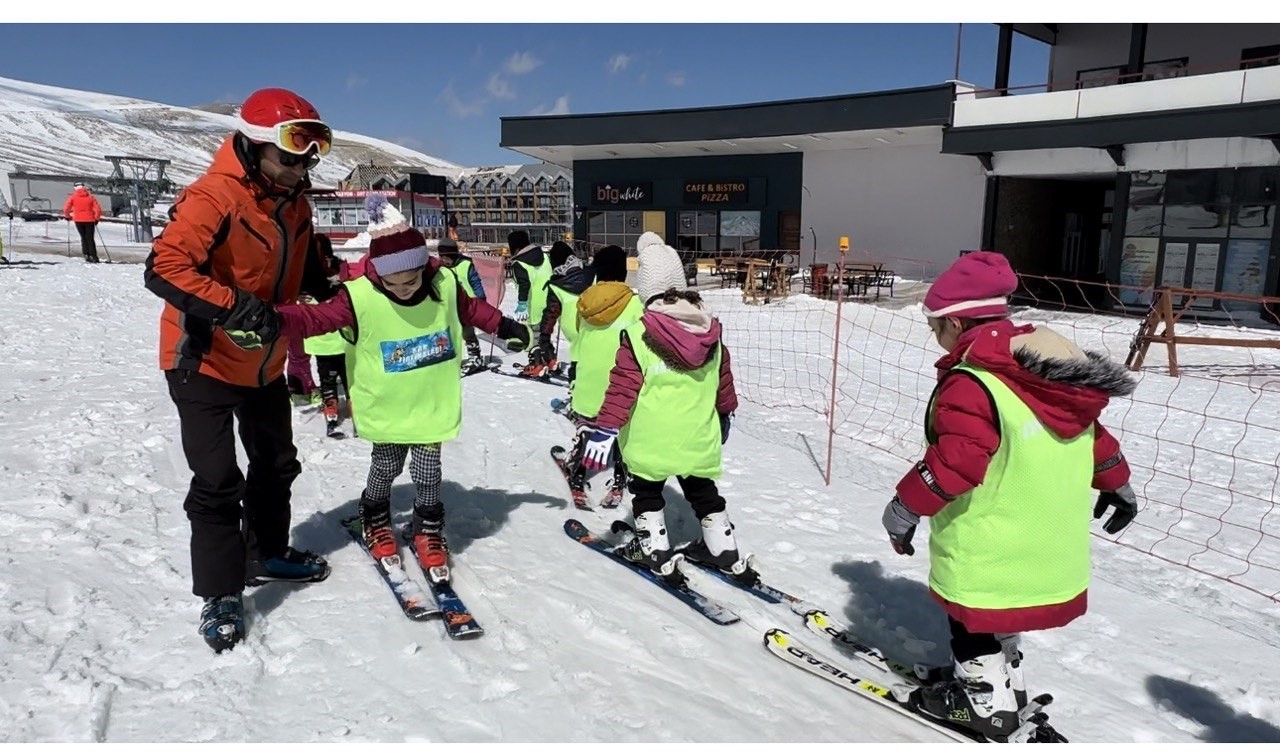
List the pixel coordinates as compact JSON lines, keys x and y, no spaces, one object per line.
{"x":239,"y":241}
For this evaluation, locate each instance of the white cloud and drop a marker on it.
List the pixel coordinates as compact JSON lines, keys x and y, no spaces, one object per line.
{"x":457,"y":107}
{"x":356,"y":81}
{"x":619,"y":62}
{"x":500,"y":87}
{"x":561,"y":107}
{"x":676,"y":78}
{"x":522,"y":63}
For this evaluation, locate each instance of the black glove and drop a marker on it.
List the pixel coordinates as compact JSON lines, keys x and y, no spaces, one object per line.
{"x":1125,"y":503}
{"x":900,"y":523}
{"x":725,"y":421}
{"x":516,"y":334}
{"x":251,"y":322}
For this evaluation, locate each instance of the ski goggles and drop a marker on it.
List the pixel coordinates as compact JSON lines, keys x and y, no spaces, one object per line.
{"x":297,"y":137}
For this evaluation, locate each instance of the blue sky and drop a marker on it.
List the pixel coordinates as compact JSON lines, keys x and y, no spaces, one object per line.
{"x":441,"y":88}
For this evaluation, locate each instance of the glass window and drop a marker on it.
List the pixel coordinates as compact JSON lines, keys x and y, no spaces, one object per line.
{"x":1256,"y":186}
{"x":739,"y":230}
{"x":1253,"y":221}
{"x":1146,"y":188}
{"x":1143,"y":220}
{"x":1195,"y":220}
{"x":1209,"y":187}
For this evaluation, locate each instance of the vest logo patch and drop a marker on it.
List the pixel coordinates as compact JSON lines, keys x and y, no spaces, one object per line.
{"x":416,"y":353}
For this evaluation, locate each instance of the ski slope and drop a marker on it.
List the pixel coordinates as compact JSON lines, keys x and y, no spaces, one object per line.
{"x":98,"y":639}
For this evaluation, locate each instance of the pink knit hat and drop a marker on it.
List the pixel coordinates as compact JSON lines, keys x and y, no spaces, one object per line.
{"x":976,"y":286}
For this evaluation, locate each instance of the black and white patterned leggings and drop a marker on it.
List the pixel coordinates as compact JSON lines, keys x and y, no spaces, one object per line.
{"x":424,"y":469}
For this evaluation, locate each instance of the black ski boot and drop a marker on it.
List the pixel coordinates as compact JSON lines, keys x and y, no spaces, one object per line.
{"x":298,"y":566}
{"x":222,"y":621}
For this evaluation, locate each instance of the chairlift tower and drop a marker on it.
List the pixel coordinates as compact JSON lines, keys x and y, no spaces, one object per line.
{"x":141,"y":179}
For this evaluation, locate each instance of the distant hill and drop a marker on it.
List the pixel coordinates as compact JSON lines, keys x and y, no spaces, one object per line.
{"x":50,"y":129}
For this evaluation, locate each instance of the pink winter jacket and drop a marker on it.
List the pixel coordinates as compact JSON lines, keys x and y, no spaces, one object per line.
{"x":684,"y":336}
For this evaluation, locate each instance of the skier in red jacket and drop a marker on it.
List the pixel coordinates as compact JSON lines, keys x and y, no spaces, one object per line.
{"x":83,"y":209}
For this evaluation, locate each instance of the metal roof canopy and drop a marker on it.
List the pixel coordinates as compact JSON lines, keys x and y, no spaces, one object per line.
{"x":903,"y":116}
{"x":1047,"y":33}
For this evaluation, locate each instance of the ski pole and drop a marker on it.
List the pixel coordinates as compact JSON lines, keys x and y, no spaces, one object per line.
{"x":104,"y":243}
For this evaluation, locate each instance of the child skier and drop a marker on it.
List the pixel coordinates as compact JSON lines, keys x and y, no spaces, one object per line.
{"x":601,"y":313}
{"x":1014,"y":449}
{"x":453,"y":258}
{"x":407,"y":313}
{"x":569,"y":278}
{"x":330,"y":351}
{"x":668,"y":406}
{"x":531,"y":269}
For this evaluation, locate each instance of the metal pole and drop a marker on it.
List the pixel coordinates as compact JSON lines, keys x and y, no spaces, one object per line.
{"x":959,"y":37}
{"x":66,"y":223}
{"x":835,"y":361}
{"x":104,"y":243}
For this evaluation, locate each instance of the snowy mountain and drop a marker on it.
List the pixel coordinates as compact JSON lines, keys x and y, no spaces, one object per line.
{"x":49,"y":129}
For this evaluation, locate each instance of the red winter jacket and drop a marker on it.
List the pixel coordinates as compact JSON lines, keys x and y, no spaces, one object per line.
{"x":1065,"y":387}
{"x":681,"y":348}
{"x":82,"y":207}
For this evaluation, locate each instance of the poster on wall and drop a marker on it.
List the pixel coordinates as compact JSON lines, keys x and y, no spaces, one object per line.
{"x":1173,"y":274}
{"x":1245,"y":271}
{"x":1138,"y":269}
{"x":1204,"y":273}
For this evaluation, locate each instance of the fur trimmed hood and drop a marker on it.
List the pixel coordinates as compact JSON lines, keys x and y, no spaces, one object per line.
{"x":1065,"y":386}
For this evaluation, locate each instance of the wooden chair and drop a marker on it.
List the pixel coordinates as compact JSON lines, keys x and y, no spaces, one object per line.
{"x":818,"y":283}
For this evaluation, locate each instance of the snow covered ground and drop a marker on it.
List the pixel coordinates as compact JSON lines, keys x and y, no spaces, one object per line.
{"x":98,"y":641}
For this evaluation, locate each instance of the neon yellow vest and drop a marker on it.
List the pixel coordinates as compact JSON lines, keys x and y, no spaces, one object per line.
{"x":674,"y":429}
{"x":329,"y":344}
{"x":568,"y":316}
{"x":596,"y":351}
{"x":463,"y":272}
{"x":1021,"y":538}
{"x":538,"y":278}
{"x":407,"y":383}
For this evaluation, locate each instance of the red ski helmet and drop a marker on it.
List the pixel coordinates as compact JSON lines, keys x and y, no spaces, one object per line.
{"x":282,"y":118}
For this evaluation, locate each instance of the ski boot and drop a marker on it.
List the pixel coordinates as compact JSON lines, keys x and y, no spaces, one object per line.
{"x":648,"y":545}
{"x":431,"y":549}
{"x":375,"y":518}
{"x":617,"y":486}
{"x":1013,"y":658}
{"x":719,"y":549}
{"x":297,"y":566}
{"x":222,"y":621}
{"x":980,"y":698}
{"x":332,"y":418}
{"x":474,"y":362}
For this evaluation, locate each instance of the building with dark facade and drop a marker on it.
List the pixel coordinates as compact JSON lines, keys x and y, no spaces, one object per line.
{"x":1150,"y":156}
{"x":771,"y":175}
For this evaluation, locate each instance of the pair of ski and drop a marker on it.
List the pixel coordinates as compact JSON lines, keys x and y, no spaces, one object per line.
{"x":549,"y":377}
{"x":419,"y":604}
{"x":612,"y":496}
{"x":894,"y":683}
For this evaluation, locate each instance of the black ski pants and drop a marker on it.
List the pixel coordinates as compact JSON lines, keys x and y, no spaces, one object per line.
{"x":234,"y":519}
{"x":87,"y":247}
{"x":332,"y":370}
{"x":701,"y":494}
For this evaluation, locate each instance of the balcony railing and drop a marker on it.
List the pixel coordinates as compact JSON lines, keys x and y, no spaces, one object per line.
{"x":980,"y":107}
